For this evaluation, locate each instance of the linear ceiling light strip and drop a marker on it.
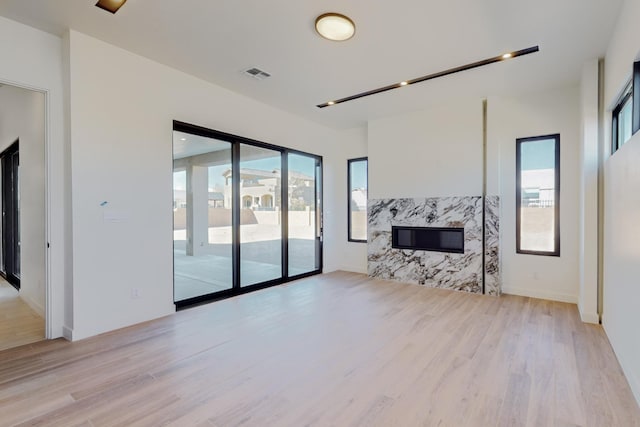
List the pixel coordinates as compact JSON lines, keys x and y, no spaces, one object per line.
{"x":466,"y":67}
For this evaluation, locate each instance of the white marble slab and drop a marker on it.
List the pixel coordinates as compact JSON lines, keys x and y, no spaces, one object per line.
{"x":462,"y":272}
{"x":492,"y":284}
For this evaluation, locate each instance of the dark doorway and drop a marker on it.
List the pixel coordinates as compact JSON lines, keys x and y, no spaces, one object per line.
{"x":10,"y":188}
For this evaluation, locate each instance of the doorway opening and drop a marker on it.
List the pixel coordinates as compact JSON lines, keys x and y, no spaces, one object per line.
{"x":22,"y":221}
{"x":10,"y":209}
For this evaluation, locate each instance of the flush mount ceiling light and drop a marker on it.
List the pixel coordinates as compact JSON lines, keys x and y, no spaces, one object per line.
{"x":404,"y":83}
{"x":110,"y":5}
{"x":334,"y":26}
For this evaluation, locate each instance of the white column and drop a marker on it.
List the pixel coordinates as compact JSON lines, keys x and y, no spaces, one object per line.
{"x":197,"y":210}
{"x":588,"y":262}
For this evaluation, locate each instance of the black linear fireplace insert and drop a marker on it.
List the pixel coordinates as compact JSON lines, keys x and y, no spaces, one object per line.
{"x":439,"y":239}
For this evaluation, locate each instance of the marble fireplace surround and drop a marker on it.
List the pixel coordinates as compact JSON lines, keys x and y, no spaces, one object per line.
{"x":461,"y":272}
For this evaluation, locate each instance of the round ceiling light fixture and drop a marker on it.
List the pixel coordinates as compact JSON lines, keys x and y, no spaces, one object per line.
{"x":334,"y":26}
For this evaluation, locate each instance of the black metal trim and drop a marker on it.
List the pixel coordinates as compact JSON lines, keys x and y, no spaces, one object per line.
{"x":614,"y":130}
{"x":284,"y":214}
{"x":236,"y":215}
{"x":230,"y":293}
{"x":349,"y":161}
{"x":224,"y":136}
{"x":432,"y":76}
{"x":556,"y":213}
{"x":396,"y":245}
{"x":615,"y":114}
{"x":635,"y":121}
{"x":319,"y":213}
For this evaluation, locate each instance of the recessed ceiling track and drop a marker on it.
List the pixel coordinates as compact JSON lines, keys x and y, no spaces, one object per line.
{"x":454,"y":70}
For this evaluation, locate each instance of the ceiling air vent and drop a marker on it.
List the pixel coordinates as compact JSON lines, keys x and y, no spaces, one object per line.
{"x":257,"y":73}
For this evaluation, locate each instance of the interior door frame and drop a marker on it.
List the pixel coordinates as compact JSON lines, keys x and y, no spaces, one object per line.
{"x":53,"y":312}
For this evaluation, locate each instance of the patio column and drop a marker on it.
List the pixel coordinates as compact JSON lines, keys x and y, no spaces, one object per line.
{"x":197,"y":210}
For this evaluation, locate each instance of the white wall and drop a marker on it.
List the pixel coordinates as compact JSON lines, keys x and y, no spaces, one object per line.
{"x":438,"y":152}
{"x":32,"y":59}
{"x":22,"y":116}
{"x":555,"y":111}
{"x":623,"y":50}
{"x":122,"y":106}
{"x":353,"y":255}
{"x":621,"y":293}
{"x":589,"y":164}
{"x":430,"y":153}
{"x":621,"y":313}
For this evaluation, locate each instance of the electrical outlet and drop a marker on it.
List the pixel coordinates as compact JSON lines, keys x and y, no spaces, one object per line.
{"x":135,"y":293}
{"x":535,"y":275}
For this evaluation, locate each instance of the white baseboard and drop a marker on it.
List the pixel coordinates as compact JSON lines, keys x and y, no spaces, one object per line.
{"x":35,"y":306}
{"x":633,"y":381}
{"x":532,"y":293}
{"x":589,"y":317}
{"x":353,"y":269}
{"x":67,"y":333}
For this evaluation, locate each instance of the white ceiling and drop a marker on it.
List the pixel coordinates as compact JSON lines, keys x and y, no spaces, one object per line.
{"x":394,"y":41}
{"x":187,"y":145}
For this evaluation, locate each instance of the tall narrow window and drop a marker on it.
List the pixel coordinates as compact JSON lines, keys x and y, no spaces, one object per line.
{"x":538,"y":195}
{"x":622,"y":117}
{"x":358,"y":199}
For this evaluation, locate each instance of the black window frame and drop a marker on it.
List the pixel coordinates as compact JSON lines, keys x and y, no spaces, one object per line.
{"x":627,"y":96}
{"x":349,"y":162}
{"x":519,"y":142}
{"x":635,"y":89}
{"x":631,"y":94}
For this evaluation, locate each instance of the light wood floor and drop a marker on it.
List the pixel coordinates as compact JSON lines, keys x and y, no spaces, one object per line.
{"x":333,"y":350}
{"x":19,"y":324}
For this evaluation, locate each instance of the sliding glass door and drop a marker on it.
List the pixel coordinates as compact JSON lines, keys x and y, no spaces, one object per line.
{"x":246,"y":214}
{"x":303,"y":215}
{"x":202,"y":216}
{"x":261,"y":215}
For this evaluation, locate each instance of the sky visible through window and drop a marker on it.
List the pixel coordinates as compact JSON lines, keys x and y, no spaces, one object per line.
{"x":538,"y":155}
{"x":359,"y":174}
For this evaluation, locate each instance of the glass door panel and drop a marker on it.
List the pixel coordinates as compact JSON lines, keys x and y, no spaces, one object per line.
{"x":303,"y":214}
{"x":260,"y":215}
{"x":202,"y":216}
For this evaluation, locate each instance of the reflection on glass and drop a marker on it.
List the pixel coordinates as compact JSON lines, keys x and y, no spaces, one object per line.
{"x":302,"y":214}
{"x":260,"y":216}
{"x":537,"y":195}
{"x":358,"y":199}
{"x":201,"y":216}
{"x":624,"y":122}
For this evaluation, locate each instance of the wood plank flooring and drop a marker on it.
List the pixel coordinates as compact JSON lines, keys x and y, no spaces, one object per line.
{"x":333,"y":350}
{"x":19,"y":324}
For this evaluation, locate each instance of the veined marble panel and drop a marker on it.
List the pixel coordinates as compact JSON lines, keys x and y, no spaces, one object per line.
{"x":462,"y":272}
{"x":492,"y":284}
